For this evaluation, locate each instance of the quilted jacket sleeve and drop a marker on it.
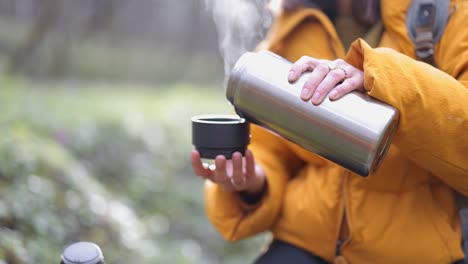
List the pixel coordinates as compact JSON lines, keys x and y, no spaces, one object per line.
{"x":433,"y":102}
{"x":235,"y":219}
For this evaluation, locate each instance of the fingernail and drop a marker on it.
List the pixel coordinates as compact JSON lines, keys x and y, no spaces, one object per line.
{"x":304,"y":93}
{"x":315,"y":98}
{"x":291,"y":75}
{"x":333,"y":94}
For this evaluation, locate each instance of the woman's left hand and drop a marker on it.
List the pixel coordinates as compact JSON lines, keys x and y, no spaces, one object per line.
{"x":333,"y":78}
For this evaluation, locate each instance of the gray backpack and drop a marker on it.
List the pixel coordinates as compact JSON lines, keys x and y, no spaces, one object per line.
{"x":426,"y":21}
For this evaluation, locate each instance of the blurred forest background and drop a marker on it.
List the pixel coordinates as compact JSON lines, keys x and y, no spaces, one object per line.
{"x":96,"y":98}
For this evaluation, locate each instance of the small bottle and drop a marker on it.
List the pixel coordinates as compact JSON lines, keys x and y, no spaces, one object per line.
{"x":82,"y":253}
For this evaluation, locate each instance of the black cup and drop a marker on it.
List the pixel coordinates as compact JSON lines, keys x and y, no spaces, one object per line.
{"x":214,"y":135}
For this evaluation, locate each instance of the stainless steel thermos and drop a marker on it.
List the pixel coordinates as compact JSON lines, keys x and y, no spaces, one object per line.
{"x":354,"y":131}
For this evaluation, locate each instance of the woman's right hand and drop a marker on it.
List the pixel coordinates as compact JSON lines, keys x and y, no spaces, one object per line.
{"x":240,"y":174}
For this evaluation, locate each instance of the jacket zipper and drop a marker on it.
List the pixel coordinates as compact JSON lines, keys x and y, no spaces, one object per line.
{"x":341,"y":244}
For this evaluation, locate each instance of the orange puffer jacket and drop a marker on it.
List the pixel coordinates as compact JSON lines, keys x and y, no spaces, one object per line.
{"x":403,"y":213}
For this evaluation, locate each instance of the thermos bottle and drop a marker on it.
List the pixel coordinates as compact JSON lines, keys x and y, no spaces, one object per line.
{"x":354,"y":131}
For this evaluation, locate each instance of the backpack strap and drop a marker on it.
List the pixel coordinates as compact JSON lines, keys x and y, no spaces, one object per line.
{"x":425,"y":22}
{"x":462,"y":202}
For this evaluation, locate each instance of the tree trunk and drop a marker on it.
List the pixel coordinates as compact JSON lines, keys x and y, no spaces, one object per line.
{"x":45,"y":20}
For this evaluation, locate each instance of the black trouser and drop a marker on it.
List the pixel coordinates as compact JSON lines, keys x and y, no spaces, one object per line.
{"x":280,"y":252}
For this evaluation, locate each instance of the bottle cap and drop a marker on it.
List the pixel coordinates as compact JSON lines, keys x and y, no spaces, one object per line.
{"x":82,"y":253}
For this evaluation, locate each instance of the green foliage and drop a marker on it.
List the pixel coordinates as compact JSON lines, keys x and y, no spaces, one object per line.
{"x":108,"y":165}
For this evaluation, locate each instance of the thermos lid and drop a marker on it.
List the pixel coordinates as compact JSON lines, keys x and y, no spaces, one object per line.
{"x":82,"y":253}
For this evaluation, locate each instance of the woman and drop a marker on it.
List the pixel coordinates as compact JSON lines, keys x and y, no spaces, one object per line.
{"x":319,"y":212}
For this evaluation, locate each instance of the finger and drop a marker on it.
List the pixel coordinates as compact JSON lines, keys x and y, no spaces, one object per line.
{"x":346,"y":87}
{"x":328,"y":83}
{"x":355,"y":81}
{"x":313,"y":81}
{"x":197,"y":165}
{"x":220,"y":175}
{"x":304,"y":64}
{"x":249,"y":164}
{"x":238,"y":178}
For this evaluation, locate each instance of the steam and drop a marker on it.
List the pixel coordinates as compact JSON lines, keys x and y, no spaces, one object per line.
{"x":241,"y":25}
